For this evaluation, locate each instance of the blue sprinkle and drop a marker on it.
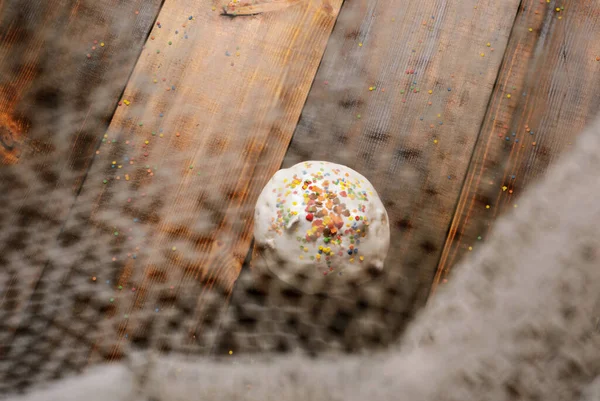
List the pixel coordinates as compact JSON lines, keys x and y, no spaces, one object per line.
{"x":507,"y":138}
{"x":160,"y":130}
{"x":531,"y":133}
{"x":173,"y":87}
{"x":126,"y":335}
{"x":441,"y":123}
{"x":449,"y":89}
{"x":136,"y":220}
{"x":227,"y":53}
{"x":190,"y":17}
{"x":107,"y":281}
{"x":134,"y":256}
{"x":349,"y":251}
{"x":415,"y":82}
{"x":186,"y":36}
{"x":176,"y":32}
{"x":514,"y":134}
{"x":161,"y":114}
{"x":449,"y":177}
{"x":355,"y":250}
{"x":421,"y":118}
{"x":513,"y":176}
{"x":516,"y":140}
{"x":156,"y":310}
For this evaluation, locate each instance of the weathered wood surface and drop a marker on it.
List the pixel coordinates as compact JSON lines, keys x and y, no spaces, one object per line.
{"x":400,"y":96}
{"x":55,"y":105}
{"x":165,"y":212}
{"x":548,"y":90}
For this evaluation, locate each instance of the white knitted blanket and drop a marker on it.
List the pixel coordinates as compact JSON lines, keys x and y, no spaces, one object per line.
{"x":518,"y":320}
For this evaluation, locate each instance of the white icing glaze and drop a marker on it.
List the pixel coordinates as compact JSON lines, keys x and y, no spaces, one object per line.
{"x":320,"y":218}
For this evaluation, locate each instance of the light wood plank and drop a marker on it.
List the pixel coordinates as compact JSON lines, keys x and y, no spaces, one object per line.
{"x":547,"y":91}
{"x":169,"y":221}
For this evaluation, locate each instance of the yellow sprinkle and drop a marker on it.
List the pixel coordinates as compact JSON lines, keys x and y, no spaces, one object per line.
{"x":508,"y":96}
{"x":361,"y":257}
{"x":558,"y":9}
{"x":371,"y":88}
{"x":470,"y":248}
{"x":360,"y":44}
{"x":214,"y":8}
{"x":174,"y":248}
{"x":487,"y":206}
{"x":435,"y":141}
{"x":351,"y":260}
{"x":504,"y":188}
{"x":101,"y":44}
{"x":488,"y":44}
{"x":482,"y":54}
{"x":114,"y":162}
{"x":146,"y":142}
{"x":530,"y":29}
{"x":161,"y":135}
{"x":230,"y":352}
{"x":430,"y":91}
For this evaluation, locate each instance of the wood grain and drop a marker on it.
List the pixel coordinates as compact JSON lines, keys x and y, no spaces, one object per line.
{"x":370,"y":108}
{"x":164,"y":217}
{"x":547,"y":91}
{"x":55,"y":104}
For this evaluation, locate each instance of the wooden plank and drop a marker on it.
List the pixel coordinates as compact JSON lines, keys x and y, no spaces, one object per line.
{"x":546,"y":93}
{"x":400,"y":97}
{"x":55,"y":104}
{"x":163,"y":221}
{"x":370,"y":109}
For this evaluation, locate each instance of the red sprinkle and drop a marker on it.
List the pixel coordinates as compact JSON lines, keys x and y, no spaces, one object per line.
{"x":310,"y":217}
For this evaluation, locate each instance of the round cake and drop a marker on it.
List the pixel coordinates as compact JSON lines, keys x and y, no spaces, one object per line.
{"x":317,"y":219}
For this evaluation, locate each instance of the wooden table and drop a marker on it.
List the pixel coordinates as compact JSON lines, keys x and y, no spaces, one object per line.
{"x":135,"y":139}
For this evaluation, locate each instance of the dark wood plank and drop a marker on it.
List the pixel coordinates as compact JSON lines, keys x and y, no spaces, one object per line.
{"x":55,"y":105}
{"x":400,"y":97}
{"x":370,"y":108}
{"x":547,"y":91}
{"x":163,"y":222}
